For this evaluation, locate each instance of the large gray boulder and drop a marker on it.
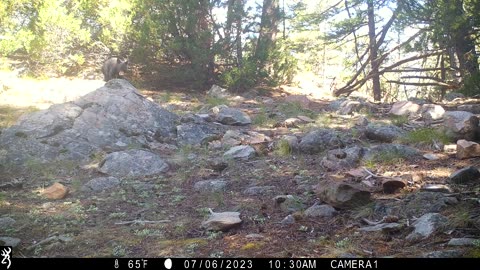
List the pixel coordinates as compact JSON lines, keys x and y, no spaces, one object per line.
{"x":461,"y":125}
{"x":112,"y":118}
{"x":342,"y":195}
{"x":383,"y":133}
{"x":230,"y":116}
{"x":133,"y":163}
{"x":320,"y":140}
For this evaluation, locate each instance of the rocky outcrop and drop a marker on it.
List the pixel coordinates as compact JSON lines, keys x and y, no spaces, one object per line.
{"x":112,"y":118}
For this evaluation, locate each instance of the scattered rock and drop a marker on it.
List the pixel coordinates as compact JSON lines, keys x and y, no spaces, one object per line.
{"x":242,"y":152}
{"x":463,"y":242}
{"x":289,"y":203}
{"x":291,"y":140}
{"x":235,"y":137}
{"x":288,"y":220}
{"x":342,"y":158}
{"x":432,"y":156}
{"x":444,"y":254}
{"x":323,"y":210}
{"x":348,"y":107}
{"x":467,"y":149}
{"x":6,"y":222}
{"x":9,"y":241}
{"x":465,"y":175}
{"x":259,"y":190}
{"x":230,"y":116}
{"x":426,"y":226}
{"x":198,"y":134}
{"x":291,"y":123}
{"x":450,"y":148}
{"x":320,"y":140}
{"x":432,"y":112}
{"x":383,"y":133}
{"x":342,"y":195}
{"x":460,"y":125}
{"x":453,"y":95}
{"x":393,"y":185}
{"x":384,"y":227}
{"x":404,"y":108}
{"x":437,"y":188}
{"x":303,"y":100}
{"x":133,"y":163}
{"x":100,"y":184}
{"x":217,"y":164}
{"x":213,"y":185}
{"x":362,"y":121}
{"x":473,"y":108}
{"x":305,"y":119}
{"x":56,"y":191}
{"x":255,"y":236}
{"x":218,"y":92}
{"x":416,"y":204}
{"x":223,"y":221}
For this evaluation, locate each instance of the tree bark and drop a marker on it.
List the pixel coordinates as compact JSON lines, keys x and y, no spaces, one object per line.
{"x":377,"y":91}
{"x":268,"y":31}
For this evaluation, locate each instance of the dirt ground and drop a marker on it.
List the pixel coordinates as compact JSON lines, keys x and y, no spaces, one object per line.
{"x":102,"y":225}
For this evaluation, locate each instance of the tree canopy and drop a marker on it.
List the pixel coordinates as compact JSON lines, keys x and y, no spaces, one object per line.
{"x":384,"y":48}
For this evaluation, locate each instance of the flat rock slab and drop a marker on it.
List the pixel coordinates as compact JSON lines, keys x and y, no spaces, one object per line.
{"x":223,"y":221}
{"x":463,"y":242}
{"x":465,"y":175}
{"x":242,"y":152}
{"x":100,"y":184}
{"x":323,"y":210}
{"x":384,"y":227}
{"x":342,"y":195}
{"x":133,"y":163}
{"x":9,"y":241}
{"x":213,"y":185}
{"x":426,"y":226}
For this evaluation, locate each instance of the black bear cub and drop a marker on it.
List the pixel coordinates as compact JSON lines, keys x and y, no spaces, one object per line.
{"x":112,"y":67}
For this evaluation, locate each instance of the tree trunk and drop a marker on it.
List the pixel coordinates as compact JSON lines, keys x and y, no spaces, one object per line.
{"x":268,"y":31}
{"x":205,"y":39}
{"x":377,"y":91}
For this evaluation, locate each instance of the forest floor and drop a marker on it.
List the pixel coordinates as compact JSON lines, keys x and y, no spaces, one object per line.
{"x":83,"y":225}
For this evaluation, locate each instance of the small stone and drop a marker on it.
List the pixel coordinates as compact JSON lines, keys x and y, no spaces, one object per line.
{"x":254,"y":236}
{"x":324,"y":210}
{"x":288,"y":220}
{"x":215,"y":185}
{"x":6,"y":222}
{"x":465,"y":175}
{"x":467,"y":149}
{"x":56,"y":191}
{"x":9,"y":241}
{"x":392,"y":185}
{"x":223,"y":221}
{"x":431,"y":156}
{"x":427,"y":225}
{"x":101,"y":183}
{"x":437,"y":188}
{"x":242,"y":152}
{"x":463,"y":242}
{"x":384,"y":227}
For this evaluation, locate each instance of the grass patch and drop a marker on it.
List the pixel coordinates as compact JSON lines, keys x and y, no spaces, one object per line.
{"x":386,"y":158}
{"x":10,"y":114}
{"x":283,"y":148}
{"x":215,"y":101}
{"x":294,"y":109}
{"x":425,"y":135}
{"x":399,"y":120}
